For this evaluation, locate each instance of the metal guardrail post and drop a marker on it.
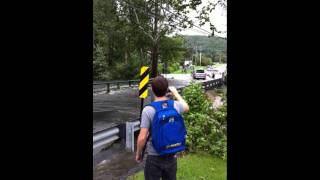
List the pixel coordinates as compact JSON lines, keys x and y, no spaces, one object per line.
{"x":129,"y":137}
{"x":131,"y":127}
{"x":108,"y":88}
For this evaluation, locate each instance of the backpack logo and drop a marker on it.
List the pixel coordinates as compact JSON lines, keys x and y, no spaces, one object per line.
{"x":173,"y":145}
{"x":171,"y":120}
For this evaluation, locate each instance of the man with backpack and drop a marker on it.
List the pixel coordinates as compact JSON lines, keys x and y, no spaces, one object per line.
{"x":162,"y":131}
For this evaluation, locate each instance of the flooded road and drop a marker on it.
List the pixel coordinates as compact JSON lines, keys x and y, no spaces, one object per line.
{"x":115,"y":108}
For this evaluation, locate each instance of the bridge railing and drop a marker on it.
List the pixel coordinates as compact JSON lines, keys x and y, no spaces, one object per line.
{"x":206,"y":85}
{"x":110,"y":84}
{"x":212,"y":84}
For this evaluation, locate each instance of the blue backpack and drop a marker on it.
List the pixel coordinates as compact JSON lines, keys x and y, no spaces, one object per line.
{"x":168,"y":129}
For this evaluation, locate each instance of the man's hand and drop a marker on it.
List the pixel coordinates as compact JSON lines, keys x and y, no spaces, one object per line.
{"x":173,"y":90}
{"x":138,"y":158}
{"x":179,"y":98}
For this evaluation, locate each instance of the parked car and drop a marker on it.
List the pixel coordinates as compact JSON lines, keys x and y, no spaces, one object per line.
{"x":199,"y":74}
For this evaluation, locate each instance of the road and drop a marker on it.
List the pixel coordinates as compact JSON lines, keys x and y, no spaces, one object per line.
{"x":117,"y":107}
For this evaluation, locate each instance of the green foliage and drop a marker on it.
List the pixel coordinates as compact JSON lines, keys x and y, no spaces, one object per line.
{"x":124,"y":70}
{"x":205,"y":61}
{"x":172,"y":50}
{"x":99,"y":63}
{"x":206,"y":126}
{"x":173,"y":67}
{"x":210,"y":47}
{"x":195,"y":97}
{"x":160,"y":68}
{"x":118,"y":45}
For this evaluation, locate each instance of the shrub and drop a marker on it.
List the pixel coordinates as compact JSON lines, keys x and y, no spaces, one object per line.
{"x":206,"y":126}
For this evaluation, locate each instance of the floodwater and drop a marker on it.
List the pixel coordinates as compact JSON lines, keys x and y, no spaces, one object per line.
{"x":115,"y":108}
{"x":115,"y":163}
{"x":217,"y":101}
{"x":121,"y":165}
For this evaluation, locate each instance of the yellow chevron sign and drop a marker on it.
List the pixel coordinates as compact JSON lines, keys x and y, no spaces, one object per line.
{"x":144,"y":80}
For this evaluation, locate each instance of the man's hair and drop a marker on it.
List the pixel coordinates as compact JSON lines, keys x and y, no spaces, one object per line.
{"x":159,"y":86}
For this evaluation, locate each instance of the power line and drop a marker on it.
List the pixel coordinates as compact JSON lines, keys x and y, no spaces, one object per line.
{"x":153,"y":14}
{"x":193,"y":24}
{"x":177,"y":23}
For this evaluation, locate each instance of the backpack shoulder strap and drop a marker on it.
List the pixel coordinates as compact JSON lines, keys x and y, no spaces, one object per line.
{"x":171,"y":103}
{"x":157,"y":105}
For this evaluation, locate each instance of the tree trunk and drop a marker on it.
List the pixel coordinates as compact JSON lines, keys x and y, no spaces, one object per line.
{"x":126,"y":50}
{"x":154,"y":51}
{"x":129,"y":50}
{"x":141,"y":57}
{"x":154,"y":60}
{"x":110,"y":52}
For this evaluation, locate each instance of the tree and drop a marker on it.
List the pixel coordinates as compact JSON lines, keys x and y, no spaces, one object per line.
{"x":171,"y":50}
{"x":166,"y":16}
{"x":116,"y":40}
{"x":135,"y":30}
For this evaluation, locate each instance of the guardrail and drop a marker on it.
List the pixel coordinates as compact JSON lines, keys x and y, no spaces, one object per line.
{"x":212,"y":84}
{"x":105,"y":137}
{"x":207,"y":84}
{"x":116,"y":84}
{"x":108,"y":136}
{"x":109,"y":84}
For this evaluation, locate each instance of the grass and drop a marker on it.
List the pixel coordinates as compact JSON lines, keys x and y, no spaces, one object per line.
{"x":197,"y":167}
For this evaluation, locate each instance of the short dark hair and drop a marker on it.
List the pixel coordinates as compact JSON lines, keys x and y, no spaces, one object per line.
{"x":159,"y":86}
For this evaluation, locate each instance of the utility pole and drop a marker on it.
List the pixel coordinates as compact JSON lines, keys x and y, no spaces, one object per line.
{"x":196,"y":55}
{"x":200,"y":49}
{"x":200,"y":58}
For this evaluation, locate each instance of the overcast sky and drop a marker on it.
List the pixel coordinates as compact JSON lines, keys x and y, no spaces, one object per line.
{"x":218,"y":17}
